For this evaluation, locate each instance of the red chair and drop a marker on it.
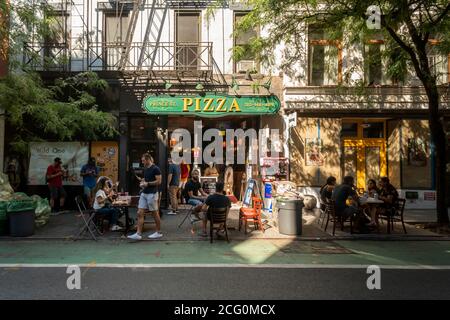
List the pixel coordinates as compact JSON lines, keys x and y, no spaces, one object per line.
{"x":251,"y":215}
{"x":243,"y":210}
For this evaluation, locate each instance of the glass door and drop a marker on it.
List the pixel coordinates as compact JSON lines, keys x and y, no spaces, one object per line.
{"x":364,"y":159}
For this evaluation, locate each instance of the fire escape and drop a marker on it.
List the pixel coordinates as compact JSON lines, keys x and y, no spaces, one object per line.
{"x":147,"y":65}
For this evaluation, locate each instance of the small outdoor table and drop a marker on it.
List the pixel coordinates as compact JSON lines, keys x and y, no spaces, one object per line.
{"x":123,"y":205}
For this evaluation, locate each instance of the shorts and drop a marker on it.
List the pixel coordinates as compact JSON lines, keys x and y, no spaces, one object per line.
{"x":148,"y":201}
{"x":194,"y":202}
{"x":88,"y":191}
{"x":57,"y":191}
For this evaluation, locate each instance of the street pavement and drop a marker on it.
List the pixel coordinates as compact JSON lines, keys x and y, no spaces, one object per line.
{"x":253,"y":269}
{"x":203,"y":283}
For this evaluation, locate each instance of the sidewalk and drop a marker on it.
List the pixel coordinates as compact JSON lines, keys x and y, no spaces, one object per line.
{"x":66,"y":226}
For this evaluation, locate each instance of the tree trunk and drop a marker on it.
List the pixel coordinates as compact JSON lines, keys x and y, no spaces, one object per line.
{"x":439,"y":139}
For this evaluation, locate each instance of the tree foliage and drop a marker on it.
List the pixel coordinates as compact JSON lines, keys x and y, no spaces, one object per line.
{"x":410,"y":29}
{"x":36,"y":113}
{"x":65,"y":110}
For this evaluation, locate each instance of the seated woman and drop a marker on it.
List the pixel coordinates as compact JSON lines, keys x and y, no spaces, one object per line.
{"x":372,"y":188}
{"x":102,"y":197}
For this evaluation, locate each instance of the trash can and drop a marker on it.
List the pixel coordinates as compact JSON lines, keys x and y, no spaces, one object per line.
{"x":3,"y":219}
{"x":21,"y":224}
{"x":21,"y":218}
{"x":290,"y":216}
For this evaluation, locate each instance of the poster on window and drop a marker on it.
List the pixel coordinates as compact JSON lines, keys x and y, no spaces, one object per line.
{"x":42,"y":154}
{"x":313,"y":152}
{"x":417,"y":152}
{"x":106,"y":154}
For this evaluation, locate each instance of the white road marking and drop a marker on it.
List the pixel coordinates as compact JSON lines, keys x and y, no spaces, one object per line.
{"x":262,"y":266}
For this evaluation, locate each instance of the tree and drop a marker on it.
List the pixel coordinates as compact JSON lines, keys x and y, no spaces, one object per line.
{"x":38,"y":113}
{"x":407,"y":26}
{"x":65,"y":110}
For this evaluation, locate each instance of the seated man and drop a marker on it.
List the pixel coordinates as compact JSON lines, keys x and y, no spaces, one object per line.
{"x":216,"y":200}
{"x":191,"y":192}
{"x":340,"y":195}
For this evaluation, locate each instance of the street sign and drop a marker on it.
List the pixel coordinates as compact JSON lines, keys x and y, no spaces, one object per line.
{"x":292,"y":120}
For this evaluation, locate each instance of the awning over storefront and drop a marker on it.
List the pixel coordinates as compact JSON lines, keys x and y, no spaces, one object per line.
{"x":211,"y":105}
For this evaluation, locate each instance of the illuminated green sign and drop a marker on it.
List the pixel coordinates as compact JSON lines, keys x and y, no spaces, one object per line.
{"x":212,"y":105}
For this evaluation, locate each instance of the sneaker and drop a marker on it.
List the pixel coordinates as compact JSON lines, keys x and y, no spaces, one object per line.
{"x":116,"y":228}
{"x":135,"y":236}
{"x":172,"y":213}
{"x":155,"y":235}
{"x":203,"y":234}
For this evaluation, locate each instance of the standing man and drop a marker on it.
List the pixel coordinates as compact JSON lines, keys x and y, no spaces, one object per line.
{"x":89,"y":172}
{"x":173,"y":182}
{"x":148,"y":201}
{"x":54,"y":177}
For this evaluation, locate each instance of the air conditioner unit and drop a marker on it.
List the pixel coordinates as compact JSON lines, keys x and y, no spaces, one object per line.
{"x":245,"y":65}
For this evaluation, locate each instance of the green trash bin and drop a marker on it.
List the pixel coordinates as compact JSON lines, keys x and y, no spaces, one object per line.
{"x":21,"y":218}
{"x":3,"y":219}
{"x":290,"y":216}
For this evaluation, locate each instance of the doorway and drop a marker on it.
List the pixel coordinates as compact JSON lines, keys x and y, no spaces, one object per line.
{"x":363,"y":150}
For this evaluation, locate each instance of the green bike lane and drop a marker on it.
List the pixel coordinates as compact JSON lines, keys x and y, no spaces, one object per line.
{"x":220,"y":253}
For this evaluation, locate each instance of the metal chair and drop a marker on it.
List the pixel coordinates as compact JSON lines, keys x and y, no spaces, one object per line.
{"x":218,"y":216}
{"x":87,"y":222}
{"x":189,"y":215}
{"x":395,"y":214}
{"x":331,"y":216}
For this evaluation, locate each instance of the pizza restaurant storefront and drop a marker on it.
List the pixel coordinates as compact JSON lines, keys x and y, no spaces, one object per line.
{"x":151,"y":130}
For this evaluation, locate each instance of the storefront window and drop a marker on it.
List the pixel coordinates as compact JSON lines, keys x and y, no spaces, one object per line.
{"x":143,"y":129}
{"x":373,"y":130}
{"x":349,"y":129}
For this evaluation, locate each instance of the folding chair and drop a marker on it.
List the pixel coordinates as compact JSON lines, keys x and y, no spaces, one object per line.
{"x":189,"y":215}
{"x":87,"y":222}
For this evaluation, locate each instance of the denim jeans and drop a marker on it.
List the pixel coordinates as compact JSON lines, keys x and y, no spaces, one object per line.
{"x":111,"y":213}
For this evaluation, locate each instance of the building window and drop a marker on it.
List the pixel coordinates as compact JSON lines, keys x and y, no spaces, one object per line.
{"x":325,"y":59}
{"x":115,"y":33}
{"x":349,"y":130}
{"x":245,"y":59}
{"x":57,"y":29}
{"x":375,"y":65}
{"x":373,"y":130}
{"x":439,"y":63}
{"x":56,"y":41}
{"x":188,"y":37}
{"x":115,"y":28}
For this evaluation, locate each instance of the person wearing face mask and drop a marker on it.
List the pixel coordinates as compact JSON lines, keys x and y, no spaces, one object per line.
{"x":194,"y":193}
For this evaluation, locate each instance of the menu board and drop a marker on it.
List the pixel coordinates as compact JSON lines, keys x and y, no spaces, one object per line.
{"x":106,"y":154}
{"x":208,"y":184}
